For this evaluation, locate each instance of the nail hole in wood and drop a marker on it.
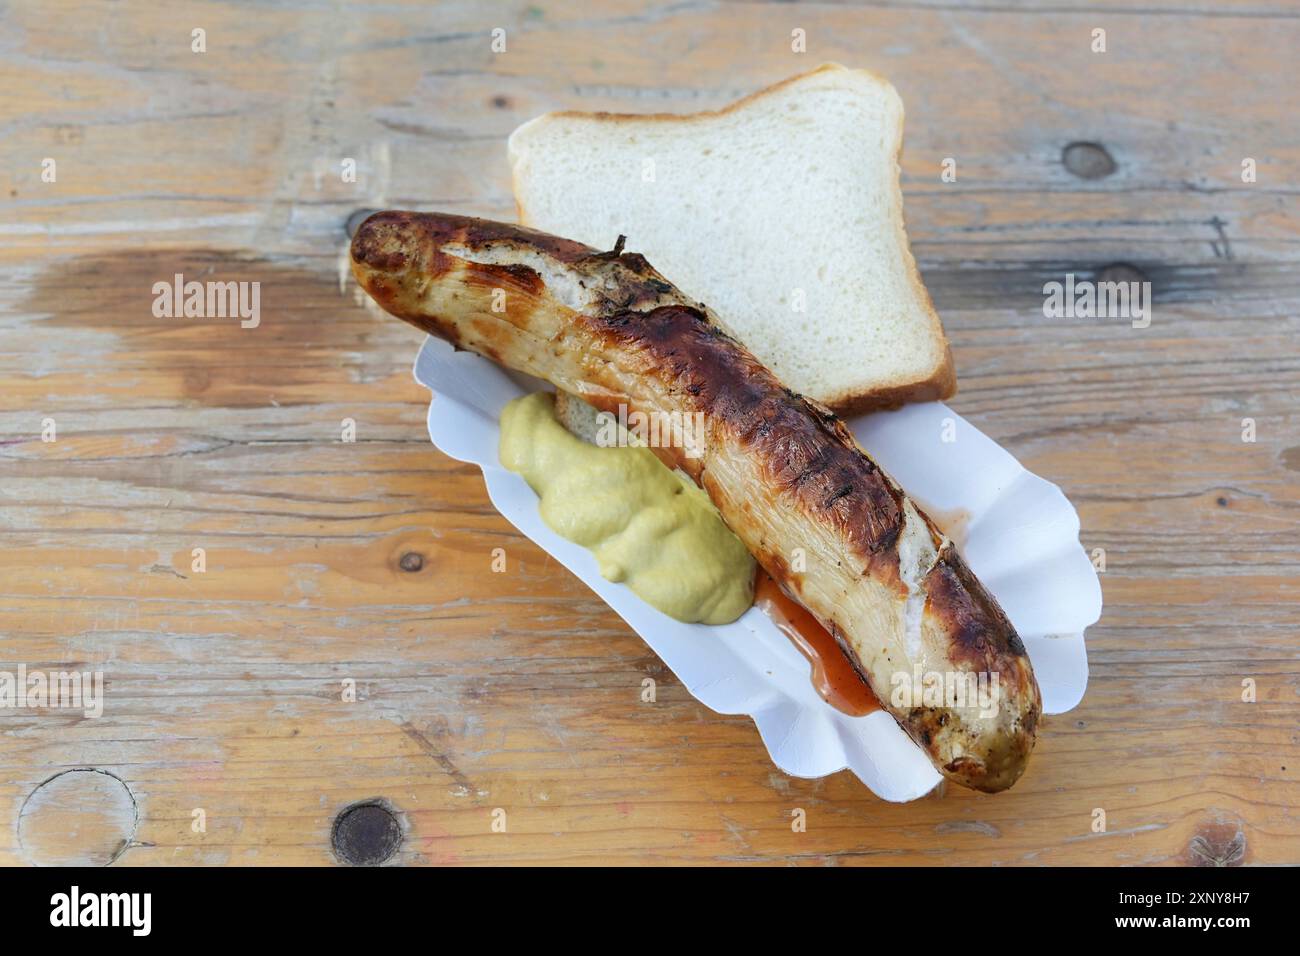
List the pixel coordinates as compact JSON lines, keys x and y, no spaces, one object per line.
{"x":411,"y":561}
{"x":1088,"y":160}
{"x":365,"y":834}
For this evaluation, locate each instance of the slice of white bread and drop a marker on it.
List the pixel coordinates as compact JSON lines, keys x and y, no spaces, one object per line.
{"x":782,"y":212}
{"x":584,"y":421}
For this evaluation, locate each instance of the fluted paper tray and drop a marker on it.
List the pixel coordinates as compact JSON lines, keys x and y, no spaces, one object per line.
{"x":1022,"y":540}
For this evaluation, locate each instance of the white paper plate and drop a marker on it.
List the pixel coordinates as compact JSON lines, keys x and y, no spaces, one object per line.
{"x":1022,"y":540}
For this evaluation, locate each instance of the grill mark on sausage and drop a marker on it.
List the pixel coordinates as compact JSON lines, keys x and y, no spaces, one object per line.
{"x":805,"y":450}
{"x":379,"y":240}
{"x":982,"y":635}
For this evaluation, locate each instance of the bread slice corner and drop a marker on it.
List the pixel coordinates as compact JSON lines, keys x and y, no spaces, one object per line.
{"x":577,"y":416}
{"x":782,"y":211}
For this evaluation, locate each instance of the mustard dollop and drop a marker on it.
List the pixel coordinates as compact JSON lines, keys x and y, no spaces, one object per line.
{"x":648,"y":526}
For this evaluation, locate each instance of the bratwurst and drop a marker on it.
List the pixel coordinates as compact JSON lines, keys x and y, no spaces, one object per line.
{"x":787,"y":477}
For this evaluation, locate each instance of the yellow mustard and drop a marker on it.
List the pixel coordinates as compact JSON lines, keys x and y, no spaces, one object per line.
{"x":649,"y":527}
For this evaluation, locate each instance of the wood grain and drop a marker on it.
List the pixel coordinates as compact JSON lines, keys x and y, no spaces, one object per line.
{"x":521,"y":691}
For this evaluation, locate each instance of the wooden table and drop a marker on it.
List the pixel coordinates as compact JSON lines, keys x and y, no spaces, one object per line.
{"x":515,"y":697}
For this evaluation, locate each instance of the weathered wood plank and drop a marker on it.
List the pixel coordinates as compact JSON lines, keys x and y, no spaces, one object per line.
{"x":521,"y":691}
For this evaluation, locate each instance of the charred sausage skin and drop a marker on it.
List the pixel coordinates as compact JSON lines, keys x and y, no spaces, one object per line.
{"x":786,"y":475}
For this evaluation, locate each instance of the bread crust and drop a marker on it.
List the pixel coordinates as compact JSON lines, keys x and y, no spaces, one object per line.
{"x":941,"y":382}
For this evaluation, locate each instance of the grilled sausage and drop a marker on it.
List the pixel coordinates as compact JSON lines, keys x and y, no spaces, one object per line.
{"x":786,"y":475}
